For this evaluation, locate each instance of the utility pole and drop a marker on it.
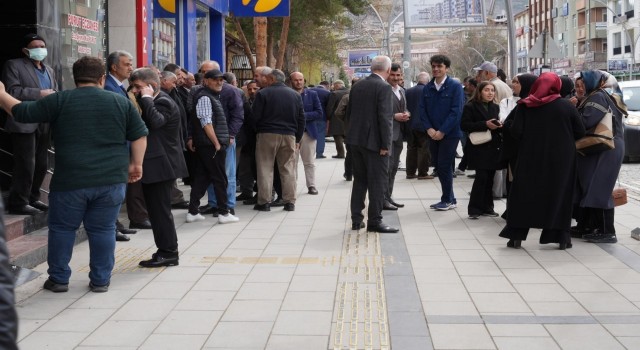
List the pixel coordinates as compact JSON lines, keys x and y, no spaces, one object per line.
{"x":511,"y":35}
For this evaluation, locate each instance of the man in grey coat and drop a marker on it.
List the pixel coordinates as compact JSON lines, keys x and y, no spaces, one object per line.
{"x":28,"y":79}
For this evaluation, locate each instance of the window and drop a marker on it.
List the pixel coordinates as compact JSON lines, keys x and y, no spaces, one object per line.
{"x":575,"y":49}
{"x":575,"y":21}
{"x":617,"y":43}
{"x":202,"y":34}
{"x":628,"y":8}
{"x":618,"y":7}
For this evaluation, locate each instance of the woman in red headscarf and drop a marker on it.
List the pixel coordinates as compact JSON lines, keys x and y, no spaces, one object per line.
{"x":545,"y":127}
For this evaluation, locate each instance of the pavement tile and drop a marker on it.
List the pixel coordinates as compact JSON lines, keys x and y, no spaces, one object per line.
{"x":262,"y":291}
{"x":206,"y":300}
{"x":164,"y":290}
{"x":449,"y":308}
{"x":174,"y":341}
{"x":265,"y":274}
{"x":77,"y":320}
{"x":605,"y":302}
{"x":313,"y":283}
{"x":535,"y":276}
{"x":288,"y":342}
{"x":517,"y":330}
{"x":447,"y":336}
{"x":26,"y":327}
{"x":583,"y":336}
{"x":145,"y":310}
{"x":220,"y":282}
{"x":115,"y":333}
{"x":525,"y":343}
{"x":558,"y":308}
{"x":239,"y":335}
{"x":52,"y":340}
{"x":303,"y":323}
{"x":252,"y":311}
{"x":189,"y":322}
{"x":542,"y":292}
{"x":309,"y":301}
{"x":485,"y":284}
{"x":499,"y":303}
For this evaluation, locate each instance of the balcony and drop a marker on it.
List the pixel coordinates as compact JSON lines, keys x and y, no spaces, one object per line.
{"x":581,"y":33}
{"x":592,"y":31}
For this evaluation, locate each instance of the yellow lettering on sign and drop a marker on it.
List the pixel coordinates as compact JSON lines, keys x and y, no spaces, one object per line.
{"x":263,"y":5}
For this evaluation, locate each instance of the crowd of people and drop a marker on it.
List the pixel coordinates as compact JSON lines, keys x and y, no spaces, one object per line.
{"x":145,"y":128}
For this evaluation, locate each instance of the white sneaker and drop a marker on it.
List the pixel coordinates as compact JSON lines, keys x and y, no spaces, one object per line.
{"x":226,"y":219}
{"x":194,"y":218}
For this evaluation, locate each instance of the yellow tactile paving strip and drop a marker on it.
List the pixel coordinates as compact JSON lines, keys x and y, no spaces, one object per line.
{"x":360,"y":313}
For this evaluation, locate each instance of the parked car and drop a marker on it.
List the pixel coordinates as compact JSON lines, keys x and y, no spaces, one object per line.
{"x":631,"y":124}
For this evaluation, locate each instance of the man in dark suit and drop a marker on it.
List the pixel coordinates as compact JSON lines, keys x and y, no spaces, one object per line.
{"x":400,"y":121}
{"x":163,"y":163}
{"x":370,"y":116}
{"x":336,"y":126}
{"x":321,"y":125}
{"x":418,"y":156}
{"x":119,"y":68}
{"x":28,"y":79}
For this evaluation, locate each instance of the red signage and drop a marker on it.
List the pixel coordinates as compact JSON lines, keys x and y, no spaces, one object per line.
{"x":143,"y":28}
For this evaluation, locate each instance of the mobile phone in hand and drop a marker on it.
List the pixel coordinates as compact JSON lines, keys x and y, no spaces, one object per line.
{"x":495,"y":122}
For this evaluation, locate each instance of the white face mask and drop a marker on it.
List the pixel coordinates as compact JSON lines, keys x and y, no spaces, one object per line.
{"x":38,"y":54}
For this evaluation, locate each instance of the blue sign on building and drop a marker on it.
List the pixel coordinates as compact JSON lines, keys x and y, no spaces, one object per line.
{"x":259,"y":8}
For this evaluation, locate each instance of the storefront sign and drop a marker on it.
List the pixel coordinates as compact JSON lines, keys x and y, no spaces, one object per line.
{"x":565,"y":63}
{"x":143,"y":27}
{"x":259,"y":8}
{"x":439,"y":13}
{"x":618,"y":65}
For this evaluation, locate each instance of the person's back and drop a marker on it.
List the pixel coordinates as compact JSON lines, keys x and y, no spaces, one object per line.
{"x":92,"y":150}
{"x":276,"y":109}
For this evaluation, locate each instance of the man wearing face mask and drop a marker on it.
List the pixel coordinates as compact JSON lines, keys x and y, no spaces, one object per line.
{"x":28,"y":79}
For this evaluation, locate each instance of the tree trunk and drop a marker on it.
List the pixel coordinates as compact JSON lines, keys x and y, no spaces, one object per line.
{"x":245,"y":44}
{"x":282,"y":46}
{"x":270,"y":43}
{"x":260,"y":34}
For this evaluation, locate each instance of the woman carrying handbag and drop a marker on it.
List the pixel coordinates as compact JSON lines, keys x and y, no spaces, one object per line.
{"x":480,"y":117}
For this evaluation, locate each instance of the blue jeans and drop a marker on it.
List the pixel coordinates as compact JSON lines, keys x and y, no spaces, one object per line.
{"x":230,"y":168}
{"x":97,"y":208}
{"x":443,"y":155}
{"x":321,"y":125}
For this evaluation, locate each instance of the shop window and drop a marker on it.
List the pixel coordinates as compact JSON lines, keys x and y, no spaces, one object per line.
{"x":164,"y":42}
{"x":202,"y":34}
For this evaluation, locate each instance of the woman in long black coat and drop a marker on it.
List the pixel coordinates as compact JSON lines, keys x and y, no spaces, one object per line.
{"x":481,"y":114}
{"x":597,"y":173}
{"x":546,"y":127}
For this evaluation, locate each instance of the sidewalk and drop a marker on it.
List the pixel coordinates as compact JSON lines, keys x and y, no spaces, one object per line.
{"x":303,"y":280}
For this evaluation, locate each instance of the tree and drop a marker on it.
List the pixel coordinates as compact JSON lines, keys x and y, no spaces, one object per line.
{"x":469,"y":48}
{"x":309,"y":26}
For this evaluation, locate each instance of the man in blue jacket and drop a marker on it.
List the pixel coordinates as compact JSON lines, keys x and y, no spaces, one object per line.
{"x":312,"y":113}
{"x":322,"y":89}
{"x":440,"y":112}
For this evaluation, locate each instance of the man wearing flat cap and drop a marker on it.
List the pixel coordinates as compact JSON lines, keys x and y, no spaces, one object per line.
{"x":28,"y":79}
{"x":488,"y":71}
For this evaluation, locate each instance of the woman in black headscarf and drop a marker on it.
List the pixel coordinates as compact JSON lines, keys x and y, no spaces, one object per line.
{"x":546,"y":127}
{"x":509,"y":149}
{"x":597,"y":173}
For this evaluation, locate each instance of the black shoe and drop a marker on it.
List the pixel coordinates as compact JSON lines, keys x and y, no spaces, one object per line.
{"x":289,"y":207}
{"x":207,"y":209}
{"x":312,"y":190}
{"x":180,"y":205}
{"x":159,"y":261}
{"x":250,"y":201}
{"x":99,"y":289}
{"x":39,"y":205}
{"x":471,"y":176}
{"x":565,"y":245}
{"x":321,"y":157}
{"x":244,"y":196}
{"x":278,"y":203}
{"x":578,"y":232}
{"x":337,"y":157}
{"x":396,"y":204}
{"x":514,"y":243}
{"x":604,"y":238}
{"x":262,"y":207}
{"x":492,"y":214}
{"x":122,"y":238}
{"x":382,"y":228}
{"x":348,"y":177}
{"x":145,"y":225}
{"x":127,"y":231}
{"x":389,"y":206}
{"x":55,"y":287}
{"x":24,"y":210}
{"x":474,"y":216}
{"x":357,"y":225}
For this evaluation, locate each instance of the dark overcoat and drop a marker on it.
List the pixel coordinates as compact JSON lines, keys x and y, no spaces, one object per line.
{"x":545,"y":172}
{"x":597,"y":173}
{"x":474,"y":118}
